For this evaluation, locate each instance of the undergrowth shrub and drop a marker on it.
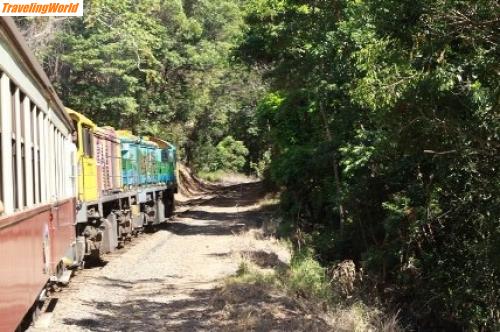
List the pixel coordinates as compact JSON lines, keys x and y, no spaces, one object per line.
{"x":307,"y":278}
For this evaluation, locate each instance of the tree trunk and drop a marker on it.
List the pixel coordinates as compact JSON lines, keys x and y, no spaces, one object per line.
{"x":335,"y":167}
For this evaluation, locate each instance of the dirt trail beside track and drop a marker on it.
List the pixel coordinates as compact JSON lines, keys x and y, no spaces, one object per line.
{"x":168,"y":280}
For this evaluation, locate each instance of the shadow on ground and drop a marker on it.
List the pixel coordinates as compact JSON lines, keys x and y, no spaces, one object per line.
{"x":243,"y":194}
{"x":238,"y":197}
{"x":236,"y":307}
{"x":265,"y":260}
{"x":232,"y":307}
{"x":217,"y":223}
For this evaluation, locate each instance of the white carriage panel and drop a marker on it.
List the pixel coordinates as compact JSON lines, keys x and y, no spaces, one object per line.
{"x":42,"y":145}
{"x":57,"y":122}
{"x":57,"y":171}
{"x":6,"y":132}
{"x":21,"y":77}
{"x":19,"y":164}
{"x":51,"y":163}
{"x":68,"y":164}
{"x":71,"y":167}
{"x":36,"y":171}
{"x":28,"y":166}
{"x":60,"y":169}
{"x":45,"y":141}
{"x":46,"y":158}
{"x":62,"y":159}
{"x":10,"y":65}
{"x":56,"y":163}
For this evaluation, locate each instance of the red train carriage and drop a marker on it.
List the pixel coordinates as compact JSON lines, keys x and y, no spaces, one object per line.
{"x":37,"y":182}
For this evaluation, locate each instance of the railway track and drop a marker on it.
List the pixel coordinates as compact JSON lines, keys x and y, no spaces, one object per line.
{"x":161,"y":281}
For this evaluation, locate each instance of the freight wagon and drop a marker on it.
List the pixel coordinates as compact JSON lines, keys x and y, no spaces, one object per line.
{"x":69,"y":189}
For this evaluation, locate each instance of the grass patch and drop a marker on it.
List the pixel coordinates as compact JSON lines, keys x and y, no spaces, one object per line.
{"x":249,"y":273}
{"x":224,"y":176}
{"x":215,"y":176}
{"x":307,"y":278}
{"x":304,"y":278}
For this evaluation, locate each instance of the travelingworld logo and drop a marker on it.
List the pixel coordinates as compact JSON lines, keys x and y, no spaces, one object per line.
{"x":41,"y":8}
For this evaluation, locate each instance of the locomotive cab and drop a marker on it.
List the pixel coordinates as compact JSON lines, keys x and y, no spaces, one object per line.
{"x":86,"y":161}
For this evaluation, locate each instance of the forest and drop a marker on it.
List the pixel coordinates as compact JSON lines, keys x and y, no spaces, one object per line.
{"x":378,"y":121}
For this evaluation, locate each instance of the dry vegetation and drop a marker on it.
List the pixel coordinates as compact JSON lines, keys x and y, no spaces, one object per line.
{"x":273,"y":291}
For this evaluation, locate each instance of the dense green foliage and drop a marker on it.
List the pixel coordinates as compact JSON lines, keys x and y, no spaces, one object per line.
{"x":231,"y":154}
{"x":155,"y":67}
{"x":383,"y":121}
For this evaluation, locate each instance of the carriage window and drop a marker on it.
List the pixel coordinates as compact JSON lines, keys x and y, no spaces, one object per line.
{"x":33,"y":152}
{"x":23,"y":174}
{"x":23,"y":148}
{"x":13,"y":89}
{"x":15,"y":179}
{"x":38,"y":155}
{"x":171,"y":158}
{"x":32,"y":121}
{"x":14,"y":174}
{"x":21,"y":114}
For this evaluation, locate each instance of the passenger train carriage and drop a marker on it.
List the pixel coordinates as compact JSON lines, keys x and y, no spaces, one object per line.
{"x":69,"y":189}
{"x":37,"y":189}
